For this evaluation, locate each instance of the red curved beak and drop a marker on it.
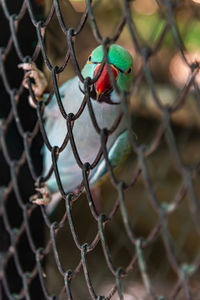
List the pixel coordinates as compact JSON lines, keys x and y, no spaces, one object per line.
{"x":103,"y":84}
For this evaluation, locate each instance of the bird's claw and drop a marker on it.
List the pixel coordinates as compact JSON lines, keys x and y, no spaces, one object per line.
{"x":40,"y":84}
{"x":42,"y":196}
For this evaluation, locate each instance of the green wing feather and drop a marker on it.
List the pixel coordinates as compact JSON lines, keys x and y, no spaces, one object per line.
{"x":117,"y":155}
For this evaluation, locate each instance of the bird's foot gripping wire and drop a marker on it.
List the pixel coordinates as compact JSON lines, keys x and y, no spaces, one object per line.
{"x":42,"y":196}
{"x":40,"y":81}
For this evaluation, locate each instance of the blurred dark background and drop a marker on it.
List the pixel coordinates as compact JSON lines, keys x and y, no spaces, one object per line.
{"x":11,"y":212}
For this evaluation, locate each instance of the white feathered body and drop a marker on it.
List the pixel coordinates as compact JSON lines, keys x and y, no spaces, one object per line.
{"x":86,"y":138}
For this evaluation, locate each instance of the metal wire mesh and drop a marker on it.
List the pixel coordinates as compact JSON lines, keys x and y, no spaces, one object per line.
{"x":145,"y":242}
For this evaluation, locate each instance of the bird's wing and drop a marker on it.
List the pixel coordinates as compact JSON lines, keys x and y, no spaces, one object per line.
{"x":117,"y":154}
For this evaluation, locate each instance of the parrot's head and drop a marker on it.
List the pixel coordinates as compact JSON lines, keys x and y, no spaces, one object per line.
{"x":121,"y":65}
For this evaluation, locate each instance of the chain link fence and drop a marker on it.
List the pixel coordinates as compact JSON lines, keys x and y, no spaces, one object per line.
{"x":138,"y":237}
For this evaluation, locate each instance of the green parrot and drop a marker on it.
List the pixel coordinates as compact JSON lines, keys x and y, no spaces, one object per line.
{"x":107,"y":106}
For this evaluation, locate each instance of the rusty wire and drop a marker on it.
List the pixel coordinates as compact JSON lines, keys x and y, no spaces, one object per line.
{"x":140,"y":151}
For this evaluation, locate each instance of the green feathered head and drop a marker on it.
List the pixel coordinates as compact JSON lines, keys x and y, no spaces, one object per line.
{"x":121,"y":65}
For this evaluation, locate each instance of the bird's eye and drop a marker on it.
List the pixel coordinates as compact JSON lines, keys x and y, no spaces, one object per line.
{"x":129,"y":71}
{"x":90,"y":58}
